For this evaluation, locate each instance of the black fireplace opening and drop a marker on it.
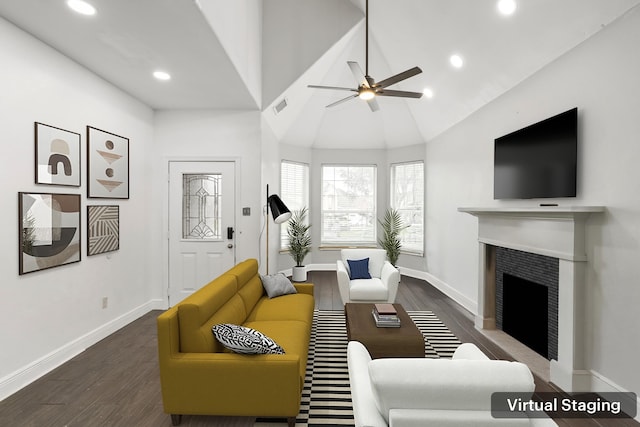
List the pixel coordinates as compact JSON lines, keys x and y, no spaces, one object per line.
{"x":525,"y":312}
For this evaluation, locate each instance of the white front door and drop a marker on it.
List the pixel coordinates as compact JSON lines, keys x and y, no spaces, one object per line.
{"x":201,"y":224}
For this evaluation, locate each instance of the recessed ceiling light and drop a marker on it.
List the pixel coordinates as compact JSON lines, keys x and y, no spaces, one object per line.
{"x":82,"y":7}
{"x":456,"y":60}
{"x":161,"y":75}
{"x":507,"y":7}
{"x":428,"y":92}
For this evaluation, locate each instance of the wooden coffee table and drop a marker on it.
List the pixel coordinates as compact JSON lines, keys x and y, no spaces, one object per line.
{"x":405,"y":341}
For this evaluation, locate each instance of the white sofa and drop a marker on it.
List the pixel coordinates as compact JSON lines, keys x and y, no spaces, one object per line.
{"x":417,"y":392}
{"x":383,"y":285}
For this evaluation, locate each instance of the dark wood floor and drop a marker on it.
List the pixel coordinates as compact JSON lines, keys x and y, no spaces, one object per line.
{"x":116,"y":382}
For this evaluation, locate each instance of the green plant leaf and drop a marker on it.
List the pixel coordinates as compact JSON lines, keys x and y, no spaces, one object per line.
{"x":392,"y":224}
{"x":299,"y":236}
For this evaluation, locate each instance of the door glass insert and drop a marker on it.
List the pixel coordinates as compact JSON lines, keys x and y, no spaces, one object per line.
{"x":201,"y":206}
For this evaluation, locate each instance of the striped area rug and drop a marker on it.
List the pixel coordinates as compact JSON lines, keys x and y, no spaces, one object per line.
{"x":326,"y":398}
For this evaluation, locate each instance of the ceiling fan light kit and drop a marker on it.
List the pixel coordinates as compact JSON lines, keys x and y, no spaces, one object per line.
{"x":368,"y":89}
{"x":366,"y":94}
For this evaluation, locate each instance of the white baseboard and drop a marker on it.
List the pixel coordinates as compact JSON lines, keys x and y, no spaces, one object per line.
{"x":36,"y":369}
{"x":159,"y":304}
{"x":312,"y":267}
{"x":323,"y":267}
{"x":442,"y":287}
{"x":600,"y":383}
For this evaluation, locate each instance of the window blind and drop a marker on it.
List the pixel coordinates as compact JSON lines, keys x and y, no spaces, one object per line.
{"x":407,"y":197}
{"x":294,"y":191}
{"x":348,"y":214}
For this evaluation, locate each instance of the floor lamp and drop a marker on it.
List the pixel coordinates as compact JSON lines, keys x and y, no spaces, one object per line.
{"x":280,"y":214}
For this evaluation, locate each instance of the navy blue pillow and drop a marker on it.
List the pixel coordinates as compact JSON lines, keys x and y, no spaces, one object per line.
{"x":359,"y":269}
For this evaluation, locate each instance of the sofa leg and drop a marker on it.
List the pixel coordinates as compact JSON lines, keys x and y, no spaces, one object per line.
{"x":176,"y":419}
{"x":291,"y":421}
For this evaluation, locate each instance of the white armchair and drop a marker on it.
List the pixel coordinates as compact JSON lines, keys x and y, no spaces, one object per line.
{"x":381,"y":287}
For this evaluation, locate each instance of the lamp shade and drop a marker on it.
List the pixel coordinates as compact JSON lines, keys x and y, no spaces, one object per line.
{"x":279,"y":210}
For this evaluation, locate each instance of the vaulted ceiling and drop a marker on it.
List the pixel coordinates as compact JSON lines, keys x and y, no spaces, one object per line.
{"x":253,"y":55}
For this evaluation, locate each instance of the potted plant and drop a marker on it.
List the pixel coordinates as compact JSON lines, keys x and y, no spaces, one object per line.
{"x":392,"y":224}
{"x":299,"y":242}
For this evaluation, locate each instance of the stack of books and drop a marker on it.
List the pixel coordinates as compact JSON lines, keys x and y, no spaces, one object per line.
{"x":385,"y":316}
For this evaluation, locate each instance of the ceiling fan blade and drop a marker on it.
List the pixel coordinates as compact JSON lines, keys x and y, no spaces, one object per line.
{"x":358,"y":74}
{"x":342,"y":100}
{"x":373,"y":104}
{"x":400,"y":93}
{"x":332,"y":87}
{"x":399,"y":77}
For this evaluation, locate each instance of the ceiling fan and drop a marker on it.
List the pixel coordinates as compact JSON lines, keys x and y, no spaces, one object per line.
{"x":368,"y":89}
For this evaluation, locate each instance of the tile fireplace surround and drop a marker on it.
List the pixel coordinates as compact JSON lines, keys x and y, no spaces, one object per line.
{"x":553,"y":231}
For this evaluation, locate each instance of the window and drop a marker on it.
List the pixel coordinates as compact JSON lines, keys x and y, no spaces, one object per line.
{"x":407,"y":197}
{"x":294,"y":191}
{"x":201,"y":206}
{"x":348,"y":205}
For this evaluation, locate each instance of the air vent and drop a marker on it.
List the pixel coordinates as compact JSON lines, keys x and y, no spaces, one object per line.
{"x":280,"y":106}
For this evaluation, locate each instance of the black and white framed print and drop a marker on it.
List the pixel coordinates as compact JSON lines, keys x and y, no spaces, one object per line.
{"x":103,"y":229}
{"x":57,"y":156}
{"x":48,"y":230}
{"x":107,"y":165}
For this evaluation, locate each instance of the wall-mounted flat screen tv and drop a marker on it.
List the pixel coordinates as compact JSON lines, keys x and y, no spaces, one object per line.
{"x":538,"y":161}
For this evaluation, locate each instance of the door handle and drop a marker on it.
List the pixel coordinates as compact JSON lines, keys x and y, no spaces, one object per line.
{"x":230,"y":245}
{"x":230,"y":232}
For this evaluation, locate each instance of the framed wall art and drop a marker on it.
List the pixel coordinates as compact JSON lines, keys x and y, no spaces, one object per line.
{"x":103,"y":229}
{"x":107,"y":165}
{"x":57,"y":156}
{"x":49,"y":230}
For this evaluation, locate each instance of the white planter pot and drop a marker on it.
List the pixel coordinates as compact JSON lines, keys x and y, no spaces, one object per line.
{"x":299,"y":274}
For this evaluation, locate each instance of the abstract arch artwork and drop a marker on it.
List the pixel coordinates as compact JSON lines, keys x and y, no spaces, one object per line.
{"x":107,"y":165}
{"x":49,"y":230}
{"x":57,"y":156}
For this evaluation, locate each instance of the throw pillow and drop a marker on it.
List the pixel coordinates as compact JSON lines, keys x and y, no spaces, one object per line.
{"x":277,"y":285}
{"x":241,"y":339}
{"x":359,"y":269}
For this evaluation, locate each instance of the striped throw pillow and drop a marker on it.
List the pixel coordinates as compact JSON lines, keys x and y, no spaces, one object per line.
{"x":241,"y":339}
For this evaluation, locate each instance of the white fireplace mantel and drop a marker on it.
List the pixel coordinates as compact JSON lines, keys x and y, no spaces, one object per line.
{"x":543,"y":211}
{"x":555,"y":231}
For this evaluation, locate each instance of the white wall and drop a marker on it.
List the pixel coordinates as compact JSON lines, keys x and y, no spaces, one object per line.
{"x":238,"y":26}
{"x":600,"y":77}
{"x":51,"y":315}
{"x":271,"y":159}
{"x":296,"y":33}
{"x":210,"y":135}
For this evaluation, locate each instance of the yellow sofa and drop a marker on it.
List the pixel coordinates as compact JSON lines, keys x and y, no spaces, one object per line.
{"x":200,"y":377}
